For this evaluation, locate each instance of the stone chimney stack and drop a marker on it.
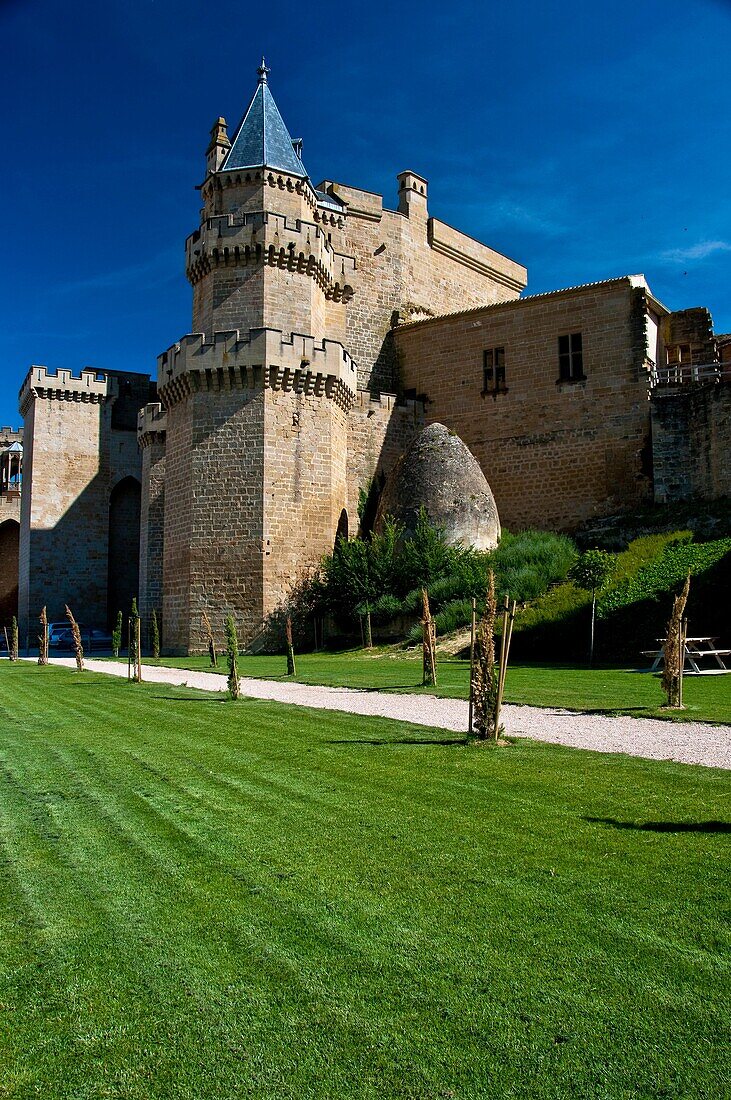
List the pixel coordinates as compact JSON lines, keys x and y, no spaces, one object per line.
{"x":218,"y":146}
{"x":412,"y":195}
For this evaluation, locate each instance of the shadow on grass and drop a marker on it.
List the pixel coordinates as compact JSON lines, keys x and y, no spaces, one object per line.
{"x":192,"y":699}
{"x":664,"y":826}
{"x":449,"y":741}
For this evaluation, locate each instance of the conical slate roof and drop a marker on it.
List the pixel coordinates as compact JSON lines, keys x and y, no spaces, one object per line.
{"x":262,"y":140}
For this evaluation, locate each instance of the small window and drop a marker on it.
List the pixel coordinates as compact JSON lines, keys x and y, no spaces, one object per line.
{"x":570,"y":358}
{"x":493,"y":371}
{"x":678,"y":353}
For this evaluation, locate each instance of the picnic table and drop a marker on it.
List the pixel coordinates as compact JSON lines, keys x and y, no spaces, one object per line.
{"x":696,"y":650}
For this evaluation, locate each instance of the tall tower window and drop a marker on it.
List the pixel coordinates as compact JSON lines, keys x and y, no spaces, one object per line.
{"x":493,"y":371}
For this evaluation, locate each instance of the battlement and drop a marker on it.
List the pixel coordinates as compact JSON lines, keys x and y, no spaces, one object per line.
{"x":151,"y":423}
{"x":90,"y":386}
{"x":274,"y":239}
{"x":263,"y":357}
{"x":10,"y":435}
{"x":371,"y":403}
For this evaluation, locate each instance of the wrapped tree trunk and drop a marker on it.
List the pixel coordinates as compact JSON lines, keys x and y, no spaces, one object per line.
{"x":674,"y":651}
{"x":13,"y":651}
{"x":43,"y":638}
{"x":429,"y":642}
{"x":210,"y":640}
{"x":484,"y":680}
{"x":291,"y":669}
{"x":76,"y":635}
{"x":232,"y":648}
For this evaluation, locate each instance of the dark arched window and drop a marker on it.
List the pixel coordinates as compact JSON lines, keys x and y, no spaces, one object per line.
{"x":124,"y":547}
{"x":342,"y":531}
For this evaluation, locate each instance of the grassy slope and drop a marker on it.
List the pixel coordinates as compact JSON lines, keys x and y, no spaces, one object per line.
{"x":203,"y":899}
{"x":606,"y":689}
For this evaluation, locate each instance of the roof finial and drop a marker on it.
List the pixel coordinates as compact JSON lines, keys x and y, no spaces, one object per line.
{"x":263,"y":71}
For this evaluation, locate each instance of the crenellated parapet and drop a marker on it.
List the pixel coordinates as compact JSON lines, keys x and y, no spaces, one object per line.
{"x":273,"y":239}
{"x":90,"y":386}
{"x":263,"y":358}
{"x":151,"y":424}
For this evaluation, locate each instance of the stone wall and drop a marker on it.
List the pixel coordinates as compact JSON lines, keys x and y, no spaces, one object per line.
{"x":73,"y":458}
{"x":305,"y":476}
{"x":213,"y":525}
{"x":691,"y":441}
{"x":380,"y":430}
{"x":554,"y":453}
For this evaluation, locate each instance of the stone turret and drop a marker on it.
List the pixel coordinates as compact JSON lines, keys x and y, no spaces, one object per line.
{"x":218,"y":147}
{"x":257,"y":398}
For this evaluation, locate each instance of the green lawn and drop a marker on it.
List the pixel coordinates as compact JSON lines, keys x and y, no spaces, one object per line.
{"x":614,"y":690}
{"x":205,"y":899}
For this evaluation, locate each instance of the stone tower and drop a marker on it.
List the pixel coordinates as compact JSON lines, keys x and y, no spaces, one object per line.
{"x":80,"y":504}
{"x":257,"y":398}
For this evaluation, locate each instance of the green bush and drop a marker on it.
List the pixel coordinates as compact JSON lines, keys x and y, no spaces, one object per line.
{"x":670,"y":568}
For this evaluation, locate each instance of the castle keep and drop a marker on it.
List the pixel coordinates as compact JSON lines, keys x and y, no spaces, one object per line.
{"x":327,"y":330}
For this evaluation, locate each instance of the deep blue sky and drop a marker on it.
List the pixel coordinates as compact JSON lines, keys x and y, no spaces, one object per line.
{"x":584,"y":141}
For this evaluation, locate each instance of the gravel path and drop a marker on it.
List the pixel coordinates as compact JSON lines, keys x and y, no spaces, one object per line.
{"x":686,"y":742}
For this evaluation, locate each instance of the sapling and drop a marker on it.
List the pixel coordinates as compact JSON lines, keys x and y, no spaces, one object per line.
{"x":484,"y":683}
{"x":591,"y":572}
{"x":155,"y":635}
{"x":429,"y":642}
{"x":674,"y":651}
{"x":232,"y":649}
{"x":117,"y":636}
{"x":14,"y":639}
{"x":291,"y":669}
{"x":76,"y":636}
{"x":43,"y":638}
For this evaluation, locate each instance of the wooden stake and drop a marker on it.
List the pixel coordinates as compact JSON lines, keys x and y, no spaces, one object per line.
{"x":504,"y":655}
{"x":681,"y":659}
{"x":7,"y":642}
{"x":129,"y":647}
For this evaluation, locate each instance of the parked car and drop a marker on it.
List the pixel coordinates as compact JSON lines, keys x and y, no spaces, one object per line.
{"x":93,"y":640}
{"x":56,"y":629}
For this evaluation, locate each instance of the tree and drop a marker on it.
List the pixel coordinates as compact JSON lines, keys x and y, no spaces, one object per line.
{"x":232,"y":649}
{"x":425,"y":555}
{"x":117,"y":636}
{"x":591,"y":572}
{"x":13,"y":640}
{"x":155,"y":635}
{"x":350,"y":586}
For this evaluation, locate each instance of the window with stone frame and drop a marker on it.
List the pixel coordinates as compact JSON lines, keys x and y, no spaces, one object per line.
{"x":571,"y":358}
{"x":493,"y":371}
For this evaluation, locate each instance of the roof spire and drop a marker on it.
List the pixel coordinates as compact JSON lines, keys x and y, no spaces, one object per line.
{"x":262,"y":139}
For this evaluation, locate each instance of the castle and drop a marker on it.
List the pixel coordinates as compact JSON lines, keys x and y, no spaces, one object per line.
{"x":327,"y":331}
